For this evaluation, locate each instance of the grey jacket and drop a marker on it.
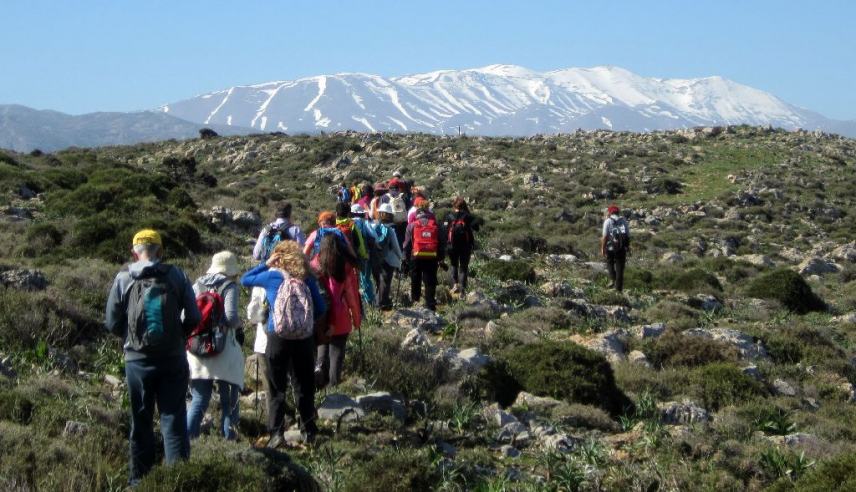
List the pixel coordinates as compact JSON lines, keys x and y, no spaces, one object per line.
{"x":117,"y":304}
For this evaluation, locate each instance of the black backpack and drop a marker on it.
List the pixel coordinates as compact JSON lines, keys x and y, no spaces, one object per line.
{"x":154,"y":314}
{"x":617,"y":235}
{"x":460,"y":233}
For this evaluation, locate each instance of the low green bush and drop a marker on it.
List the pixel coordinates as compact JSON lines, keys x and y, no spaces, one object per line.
{"x":787,"y":287}
{"x":691,"y":281}
{"x":676,"y":349}
{"x":408,"y":373}
{"x":834,"y":475}
{"x":394,"y":469}
{"x":518,"y":270}
{"x":721,"y":384}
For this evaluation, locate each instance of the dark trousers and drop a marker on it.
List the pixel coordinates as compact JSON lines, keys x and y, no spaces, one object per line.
{"x":615,"y":261}
{"x":424,"y":271}
{"x":460,"y":262}
{"x":161,"y":382}
{"x":330,"y":361}
{"x":299,"y":355}
{"x":383,"y":274}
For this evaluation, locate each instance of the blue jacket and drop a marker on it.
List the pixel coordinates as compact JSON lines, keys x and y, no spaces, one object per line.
{"x":270,"y":280}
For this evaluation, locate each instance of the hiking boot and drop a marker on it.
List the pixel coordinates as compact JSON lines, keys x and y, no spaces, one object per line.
{"x":275,"y":441}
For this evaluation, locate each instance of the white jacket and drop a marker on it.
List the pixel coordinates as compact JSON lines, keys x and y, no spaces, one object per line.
{"x":257,"y":312}
{"x":228,"y":365}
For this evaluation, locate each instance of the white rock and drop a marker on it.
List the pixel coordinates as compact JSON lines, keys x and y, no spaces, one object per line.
{"x":746,"y":346}
{"x":817,"y":266}
{"x":637,"y":357}
{"x":685,"y":412}
{"x":783,"y":388}
{"x":336,"y":406}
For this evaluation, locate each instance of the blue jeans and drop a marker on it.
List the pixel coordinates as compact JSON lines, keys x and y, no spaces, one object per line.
{"x":161,"y":381}
{"x":201,"y":390}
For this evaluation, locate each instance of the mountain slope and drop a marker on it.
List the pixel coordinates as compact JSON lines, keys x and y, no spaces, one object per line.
{"x":24,"y":129}
{"x":497,"y":100}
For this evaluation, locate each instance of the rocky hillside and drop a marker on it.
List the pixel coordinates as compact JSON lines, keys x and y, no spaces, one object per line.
{"x":727,"y":364}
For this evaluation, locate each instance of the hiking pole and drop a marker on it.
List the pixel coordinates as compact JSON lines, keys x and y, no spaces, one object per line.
{"x":396,"y":302}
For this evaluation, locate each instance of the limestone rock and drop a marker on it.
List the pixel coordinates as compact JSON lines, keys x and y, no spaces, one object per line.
{"x":654,"y":330}
{"x":671,"y":258}
{"x":509,"y":451}
{"x":783,"y":388}
{"x":383,"y":403}
{"x":817,"y":266}
{"x":846,"y":252}
{"x":679,"y":413}
{"x":337,"y":406}
{"x":611,"y":344}
{"x":22,"y":278}
{"x":746,"y":346}
{"x":535,"y":403}
{"x":419,"y":318}
{"x":762,"y":261}
{"x":416,"y":339}
{"x":637,"y":357}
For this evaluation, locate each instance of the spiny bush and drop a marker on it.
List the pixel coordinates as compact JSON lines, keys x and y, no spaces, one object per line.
{"x":676,"y":349}
{"x":518,"y":270}
{"x":721,"y":384}
{"x":565,"y":371}
{"x":408,"y":373}
{"x":787,"y":287}
{"x":394,"y":469}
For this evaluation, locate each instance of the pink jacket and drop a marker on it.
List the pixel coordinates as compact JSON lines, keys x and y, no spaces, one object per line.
{"x":344,"y":313}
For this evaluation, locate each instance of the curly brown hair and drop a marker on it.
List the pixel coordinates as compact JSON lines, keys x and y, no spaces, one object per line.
{"x":288,"y":256}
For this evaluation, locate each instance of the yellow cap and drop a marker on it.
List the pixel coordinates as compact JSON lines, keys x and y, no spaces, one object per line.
{"x":147,"y":236}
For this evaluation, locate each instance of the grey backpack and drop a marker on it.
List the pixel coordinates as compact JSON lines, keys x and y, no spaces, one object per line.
{"x":154,"y":315}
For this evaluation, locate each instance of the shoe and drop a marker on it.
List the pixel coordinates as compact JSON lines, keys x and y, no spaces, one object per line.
{"x":275,"y":441}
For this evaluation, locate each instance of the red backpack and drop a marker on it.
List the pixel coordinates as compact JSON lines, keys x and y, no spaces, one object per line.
{"x":426,"y":239}
{"x":208,"y":338}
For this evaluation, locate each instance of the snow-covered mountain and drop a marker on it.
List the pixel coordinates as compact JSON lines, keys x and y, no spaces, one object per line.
{"x":497,"y":100}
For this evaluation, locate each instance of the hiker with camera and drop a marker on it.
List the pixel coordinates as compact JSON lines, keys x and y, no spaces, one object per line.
{"x":425,"y":249}
{"x":615,"y":246}
{"x":152,"y":306}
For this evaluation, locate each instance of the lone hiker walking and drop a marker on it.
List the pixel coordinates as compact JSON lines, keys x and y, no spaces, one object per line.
{"x":145,"y":306}
{"x":615,"y":245}
{"x":460,"y":226}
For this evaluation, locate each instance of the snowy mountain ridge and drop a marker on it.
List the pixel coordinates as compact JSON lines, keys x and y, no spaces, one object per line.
{"x":496,"y":100}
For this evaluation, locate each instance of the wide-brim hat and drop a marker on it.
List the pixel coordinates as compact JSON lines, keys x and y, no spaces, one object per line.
{"x":357,"y":209}
{"x":386,"y":208}
{"x":224,"y":262}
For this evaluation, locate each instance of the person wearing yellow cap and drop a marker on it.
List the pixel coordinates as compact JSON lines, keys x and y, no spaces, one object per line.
{"x":151,"y":305}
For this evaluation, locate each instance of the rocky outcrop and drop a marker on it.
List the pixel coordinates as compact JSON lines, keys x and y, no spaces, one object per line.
{"x":22,"y":278}
{"x":746,"y":346}
{"x":419,"y":318}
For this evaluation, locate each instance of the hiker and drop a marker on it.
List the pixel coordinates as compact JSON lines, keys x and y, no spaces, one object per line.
{"x":327,"y":226}
{"x":221,"y":363}
{"x":338,"y":277}
{"x":380,"y":190}
{"x":460,"y":227}
{"x":418,"y":196}
{"x":395,"y":198}
{"x":279,"y":230}
{"x":615,"y":246}
{"x":351,"y":231}
{"x":366,"y":195}
{"x":155,"y":364}
{"x":388,"y":257}
{"x":361,"y":224}
{"x":343,"y":195}
{"x":425,"y":248}
{"x":287,"y":268}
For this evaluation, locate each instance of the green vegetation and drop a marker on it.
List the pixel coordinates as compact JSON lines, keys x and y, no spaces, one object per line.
{"x":787,"y":287}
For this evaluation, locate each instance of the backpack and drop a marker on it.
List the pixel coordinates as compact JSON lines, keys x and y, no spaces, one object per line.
{"x":292,"y":310}
{"x":426,"y":239}
{"x":321,"y":233}
{"x":460,"y":233}
{"x":399,"y":209}
{"x":617,"y":235}
{"x":154,"y":315}
{"x":274,"y":236}
{"x":209,"y":336}
{"x":354,"y":238}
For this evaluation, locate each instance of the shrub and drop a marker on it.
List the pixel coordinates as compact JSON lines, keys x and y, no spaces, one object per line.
{"x":691,"y":281}
{"x":679,"y":316}
{"x":565,"y":371}
{"x":394,"y":469}
{"x":518,"y":270}
{"x":677,"y":349}
{"x":720,"y":384}
{"x":408,"y":373}
{"x":787,"y":287}
{"x":207,"y":133}
{"x":836,"y":474}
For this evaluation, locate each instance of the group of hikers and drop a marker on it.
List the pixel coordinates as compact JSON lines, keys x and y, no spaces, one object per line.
{"x":309,"y":293}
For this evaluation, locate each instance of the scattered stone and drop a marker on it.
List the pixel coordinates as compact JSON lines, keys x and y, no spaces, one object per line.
{"x":535,"y":403}
{"x":637,"y":357}
{"x":752,"y":371}
{"x":846,"y":252}
{"x":762,"y":261}
{"x":419,"y":318}
{"x":649,"y":331}
{"x":337,"y":407}
{"x":746,"y":346}
{"x":17,"y":214}
{"x":74,"y":428}
{"x":671,"y":258}
{"x":783,"y":388}
{"x":416,"y":339}
{"x":509,"y":451}
{"x":560,"y":289}
{"x":560,"y":442}
{"x":611,"y":344}
{"x":383,"y":403}
{"x":22,"y":278}
{"x":447,"y":449}
{"x":705,"y":302}
{"x":817,"y":266}
{"x":682,"y":413}
{"x":510,"y":432}
{"x":846,"y":319}
{"x":492,"y":413}
{"x":239,"y":219}
{"x":795,"y":440}
{"x":112,"y":380}
{"x":468,"y":360}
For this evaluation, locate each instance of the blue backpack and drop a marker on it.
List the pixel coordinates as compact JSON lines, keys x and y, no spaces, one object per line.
{"x":324,"y":232}
{"x":274,"y":236}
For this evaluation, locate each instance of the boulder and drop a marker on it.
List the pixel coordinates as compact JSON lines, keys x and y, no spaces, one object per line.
{"x":509,"y":451}
{"x":611,"y":344}
{"x":468,"y":360}
{"x":671,"y":258}
{"x":681,"y":413}
{"x":501,"y":418}
{"x":559,"y":442}
{"x":637,"y":357}
{"x":817,"y":266}
{"x":513,"y":432}
{"x":383,"y":403}
{"x":535,"y":403}
{"x":336,"y":407}
{"x":418,"y":318}
{"x":239,"y":219}
{"x":846,"y":252}
{"x":783,"y":388}
{"x":762,"y":261}
{"x":705,"y":302}
{"x":746,"y":346}
{"x":654,"y":330}
{"x":416,"y":340}
{"x":22,"y":278}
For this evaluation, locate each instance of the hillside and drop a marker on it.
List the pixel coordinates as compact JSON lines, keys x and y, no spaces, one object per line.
{"x":727,"y":363}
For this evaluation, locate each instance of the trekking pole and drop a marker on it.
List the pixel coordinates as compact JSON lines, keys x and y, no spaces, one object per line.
{"x":257,"y":385}
{"x":396,"y":301}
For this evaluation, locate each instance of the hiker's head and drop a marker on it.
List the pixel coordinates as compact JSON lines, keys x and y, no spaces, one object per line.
{"x":460,"y":205}
{"x":288,"y":256}
{"x":147,"y":245}
{"x":331,"y":259}
{"x":421,"y":203}
{"x":283,"y":211}
{"x":386,"y":213}
{"x":358,"y":212}
{"x":225,"y":263}
{"x":380,"y":189}
{"x":343,"y":210}
{"x":396,"y":174}
{"x":366,"y":190}
{"x":327,"y":218}
{"x":394,"y":186}
{"x":613,"y":210}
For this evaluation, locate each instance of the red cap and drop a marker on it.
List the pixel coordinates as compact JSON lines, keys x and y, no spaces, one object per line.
{"x":394,"y":182}
{"x":613,"y":209}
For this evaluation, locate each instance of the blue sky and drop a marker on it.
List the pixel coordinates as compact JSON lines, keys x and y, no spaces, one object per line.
{"x":79,"y":56}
